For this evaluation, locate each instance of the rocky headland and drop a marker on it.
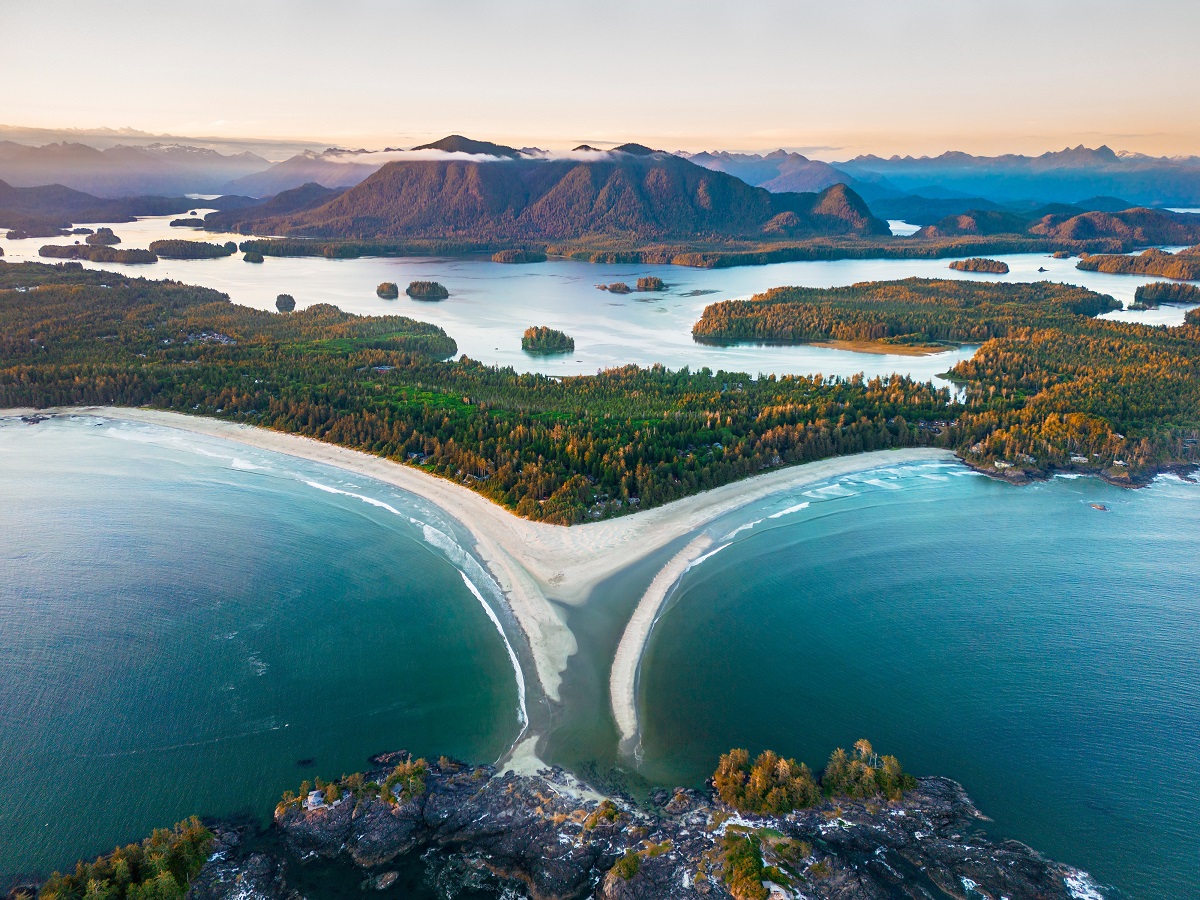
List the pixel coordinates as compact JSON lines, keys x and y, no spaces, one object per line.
{"x":548,"y":837}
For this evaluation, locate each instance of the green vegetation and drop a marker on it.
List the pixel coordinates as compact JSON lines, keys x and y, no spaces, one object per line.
{"x":617,"y":287}
{"x":980,"y":264}
{"x":519,"y":256}
{"x":388,"y":290}
{"x":772,"y":786}
{"x":627,"y":867}
{"x":541,"y":339}
{"x":1050,"y":389}
{"x":174,"y":249}
{"x":916,"y":311}
{"x":100,"y":254}
{"x":285,"y":303}
{"x":1151,"y":295}
{"x":742,"y":868}
{"x":864,"y":774}
{"x":427,"y":290}
{"x":187,"y":223}
{"x":102,"y":237}
{"x":1182,"y":266}
{"x":776,"y":786}
{"x":651,"y":283}
{"x":252,"y":257}
{"x":159,"y":868}
{"x":406,"y":781}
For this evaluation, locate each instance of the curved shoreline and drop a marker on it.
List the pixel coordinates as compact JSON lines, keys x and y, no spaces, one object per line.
{"x":534,"y":562}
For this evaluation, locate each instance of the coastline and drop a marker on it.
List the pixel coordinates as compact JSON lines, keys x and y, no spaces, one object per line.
{"x":533,"y":562}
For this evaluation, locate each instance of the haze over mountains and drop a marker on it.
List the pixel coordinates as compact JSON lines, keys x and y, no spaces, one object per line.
{"x":474,"y":191}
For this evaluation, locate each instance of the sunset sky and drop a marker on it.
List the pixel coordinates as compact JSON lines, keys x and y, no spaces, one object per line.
{"x":829,"y":79}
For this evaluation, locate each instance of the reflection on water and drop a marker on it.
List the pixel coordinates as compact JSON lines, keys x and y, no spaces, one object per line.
{"x":491,"y":304}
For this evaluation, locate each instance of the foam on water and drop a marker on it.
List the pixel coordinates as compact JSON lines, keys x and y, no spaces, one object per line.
{"x":789,"y":510}
{"x":462,"y":560}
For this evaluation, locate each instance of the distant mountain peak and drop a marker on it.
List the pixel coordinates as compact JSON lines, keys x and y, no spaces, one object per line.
{"x":456,"y":143}
{"x":635,"y":150}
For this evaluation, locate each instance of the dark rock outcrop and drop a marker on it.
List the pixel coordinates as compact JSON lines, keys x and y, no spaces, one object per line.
{"x":549,"y":837}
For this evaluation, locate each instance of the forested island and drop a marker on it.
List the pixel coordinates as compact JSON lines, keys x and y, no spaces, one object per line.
{"x":102,"y":237}
{"x":388,"y":290}
{"x":176,"y":249}
{"x":100,"y":254}
{"x":541,"y":339}
{"x":427,"y":290}
{"x":1051,"y":388}
{"x":980,"y":264}
{"x":1182,"y":266}
{"x":764,"y":826}
{"x":518,"y":256}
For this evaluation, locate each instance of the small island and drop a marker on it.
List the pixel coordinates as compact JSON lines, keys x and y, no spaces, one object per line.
{"x":252,"y":256}
{"x":617,"y":287}
{"x":541,"y":339}
{"x":187,"y":223}
{"x":651,"y":283}
{"x":427,"y":290}
{"x":388,"y":290}
{"x":1149,"y":296}
{"x":174,"y":249}
{"x":519,"y":256}
{"x":285,"y":303}
{"x":103,"y":237}
{"x":980,"y":264}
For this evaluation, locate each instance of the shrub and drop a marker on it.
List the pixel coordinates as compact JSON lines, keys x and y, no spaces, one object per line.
{"x":627,"y":866}
{"x":742,"y":867}
{"x":409,"y":777}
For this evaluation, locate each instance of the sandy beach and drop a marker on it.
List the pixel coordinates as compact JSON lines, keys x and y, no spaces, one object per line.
{"x":534,"y":562}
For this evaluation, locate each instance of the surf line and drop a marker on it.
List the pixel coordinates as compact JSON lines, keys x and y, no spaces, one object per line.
{"x":444,"y":545}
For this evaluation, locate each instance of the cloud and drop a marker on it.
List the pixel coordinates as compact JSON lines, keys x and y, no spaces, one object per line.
{"x":382,"y":157}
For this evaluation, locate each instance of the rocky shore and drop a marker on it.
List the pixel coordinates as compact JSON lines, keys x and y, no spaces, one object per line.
{"x":549,"y":837}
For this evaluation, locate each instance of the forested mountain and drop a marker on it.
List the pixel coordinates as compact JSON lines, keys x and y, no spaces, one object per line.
{"x":630,"y":195}
{"x":307,"y":196}
{"x":1066,"y":176}
{"x":1132,"y":227}
{"x":54,"y":206}
{"x":125,"y":171}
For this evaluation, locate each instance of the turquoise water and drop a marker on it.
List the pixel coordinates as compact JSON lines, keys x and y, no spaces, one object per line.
{"x":189,"y":626}
{"x":1044,"y":653}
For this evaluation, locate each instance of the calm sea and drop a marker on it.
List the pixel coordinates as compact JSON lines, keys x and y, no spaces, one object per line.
{"x":189,"y":626}
{"x":1044,"y":653}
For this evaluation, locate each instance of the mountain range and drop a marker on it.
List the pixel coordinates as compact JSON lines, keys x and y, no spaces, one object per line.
{"x":477,"y":192}
{"x":125,"y":171}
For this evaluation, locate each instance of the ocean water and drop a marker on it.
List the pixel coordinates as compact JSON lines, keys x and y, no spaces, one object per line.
{"x":1044,"y":653}
{"x":190,"y":626}
{"x":492,"y":304}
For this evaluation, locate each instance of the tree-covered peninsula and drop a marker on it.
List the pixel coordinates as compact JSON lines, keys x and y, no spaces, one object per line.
{"x":177,"y":249}
{"x":1182,"y":266}
{"x":1051,"y":388}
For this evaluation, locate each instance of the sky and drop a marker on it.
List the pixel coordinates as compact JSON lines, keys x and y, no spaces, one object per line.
{"x":829,"y":79}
